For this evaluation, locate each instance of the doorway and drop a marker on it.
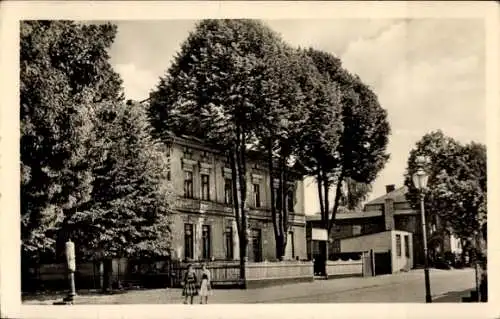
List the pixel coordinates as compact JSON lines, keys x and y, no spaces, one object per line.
{"x":255,"y":245}
{"x":383,"y":263}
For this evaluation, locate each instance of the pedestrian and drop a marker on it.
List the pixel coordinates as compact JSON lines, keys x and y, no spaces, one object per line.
{"x":189,"y":282}
{"x":205,"y":285}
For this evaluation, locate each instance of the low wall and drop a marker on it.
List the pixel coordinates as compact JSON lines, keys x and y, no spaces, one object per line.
{"x":224,"y":274}
{"x":276,"y":273}
{"x":54,"y":277}
{"x":346,"y":265}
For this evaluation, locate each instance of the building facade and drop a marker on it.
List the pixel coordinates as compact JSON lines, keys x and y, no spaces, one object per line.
{"x":390,"y":212}
{"x":204,"y":226}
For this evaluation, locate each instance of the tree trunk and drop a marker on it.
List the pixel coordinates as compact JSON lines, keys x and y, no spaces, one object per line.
{"x":338,"y":194}
{"x":236,"y":206}
{"x":239,"y":181}
{"x":284,"y":208}
{"x":319,"y":181}
{"x":273,"y":200}
{"x":326,"y":190}
{"x":280,"y":211}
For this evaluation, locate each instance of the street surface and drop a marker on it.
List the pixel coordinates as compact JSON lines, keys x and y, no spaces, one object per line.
{"x":446,"y":286}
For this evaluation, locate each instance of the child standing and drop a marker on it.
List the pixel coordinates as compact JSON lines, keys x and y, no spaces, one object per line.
{"x":205,"y":286}
{"x":189,"y":282}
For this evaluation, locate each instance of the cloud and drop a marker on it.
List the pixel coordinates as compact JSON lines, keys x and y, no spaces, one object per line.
{"x":332,"y":35}
{"x":428,"y":73}
{"x":136,"y":82}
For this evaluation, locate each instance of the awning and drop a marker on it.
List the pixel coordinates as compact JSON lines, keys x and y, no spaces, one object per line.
{"x":319,"y":234}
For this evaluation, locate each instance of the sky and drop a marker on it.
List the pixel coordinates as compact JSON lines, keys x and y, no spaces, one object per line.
{"x":428,"y":74}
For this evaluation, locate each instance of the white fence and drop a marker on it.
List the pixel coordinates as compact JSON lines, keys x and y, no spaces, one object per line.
{"x":278,"y":270}
{"x":344,"y":268}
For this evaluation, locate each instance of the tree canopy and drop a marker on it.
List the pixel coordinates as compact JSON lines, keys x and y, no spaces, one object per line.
{"x":64,"y":72}
{"x":131,"y":199}
{"x":210,"y":91}
{"x":88,"y":163}
{"x":238,"y":85}
{"x":456,"y":190}
{"x":354,"y":151}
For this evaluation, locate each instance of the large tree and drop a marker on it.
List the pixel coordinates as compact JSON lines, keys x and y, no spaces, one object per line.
{"x":91,"y":171}
{"x":355,"y":150}
{"x":64,"y":72}
{"x":456,"y":191}
{"x":209,"y":92}
{"x":287,"y":75}
{"x":131,"y":200}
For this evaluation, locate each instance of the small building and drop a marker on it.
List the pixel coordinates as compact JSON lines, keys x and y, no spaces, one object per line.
{"x":390,"y":211}
{"x":391,"y":251}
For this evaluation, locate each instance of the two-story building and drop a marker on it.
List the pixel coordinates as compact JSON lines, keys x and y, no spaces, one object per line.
{"x":389,"y":212}
{"x":204,"y":226}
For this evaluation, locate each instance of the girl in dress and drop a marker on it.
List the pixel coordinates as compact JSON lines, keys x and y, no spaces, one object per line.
{"x":205,"y":286}
{"x":189,"y":283}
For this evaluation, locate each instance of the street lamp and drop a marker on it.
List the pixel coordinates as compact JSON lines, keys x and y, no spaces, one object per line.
{"x":420,"y":181}
{"x":476,"y":264}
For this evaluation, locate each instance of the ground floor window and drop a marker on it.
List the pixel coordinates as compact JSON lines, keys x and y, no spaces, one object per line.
{"x":290,"y":245}
{"x":398,"y":245}
{"x":206,"y":241}
{"x":188,"y":241}
{"x":255,"y":245}
{"x":407,"y":246}
{"x":229,"y":242}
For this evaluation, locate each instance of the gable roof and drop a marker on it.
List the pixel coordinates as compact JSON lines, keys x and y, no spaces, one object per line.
{"x":398,"y":196}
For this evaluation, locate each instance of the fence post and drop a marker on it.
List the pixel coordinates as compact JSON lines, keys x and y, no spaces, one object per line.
{"x":372,"y":261}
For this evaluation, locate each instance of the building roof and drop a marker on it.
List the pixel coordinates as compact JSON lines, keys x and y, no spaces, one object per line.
{"x":398,"y":196}
{"x":347,"y":215}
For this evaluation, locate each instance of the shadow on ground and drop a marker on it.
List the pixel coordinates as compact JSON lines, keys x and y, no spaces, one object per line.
{"x":53,"y":295}
{"x":453,"y":296}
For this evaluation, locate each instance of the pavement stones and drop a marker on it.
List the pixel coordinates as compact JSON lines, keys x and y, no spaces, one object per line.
{"x":276,"y":294}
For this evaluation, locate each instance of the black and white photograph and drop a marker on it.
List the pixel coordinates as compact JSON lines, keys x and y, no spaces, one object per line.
{"x":202,"y":161}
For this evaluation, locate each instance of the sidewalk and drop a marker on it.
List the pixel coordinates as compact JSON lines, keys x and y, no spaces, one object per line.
{"x":453,"y":296}
{"x":270,"y":294}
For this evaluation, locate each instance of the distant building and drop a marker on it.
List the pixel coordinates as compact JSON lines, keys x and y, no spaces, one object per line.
{"x":204,"y":227}
{"x":389,"y":212}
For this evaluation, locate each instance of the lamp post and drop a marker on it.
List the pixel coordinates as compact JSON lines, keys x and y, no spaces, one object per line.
{"x":476,"y":264}
{"x":420,"y":181}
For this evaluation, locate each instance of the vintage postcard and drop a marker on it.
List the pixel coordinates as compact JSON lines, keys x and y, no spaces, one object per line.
{"x":242,"y":159}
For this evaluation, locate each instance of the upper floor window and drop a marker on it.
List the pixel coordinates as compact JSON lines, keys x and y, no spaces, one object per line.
{"x":188,"y":184}
{"x":228,"y":191}
{"x":205,"y":187}
{"x":277,"y":198}
{"x":290,"y":197}
{"x":256,"y":195}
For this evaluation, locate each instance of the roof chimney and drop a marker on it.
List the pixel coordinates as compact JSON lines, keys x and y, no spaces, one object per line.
{"x":390,"y":188}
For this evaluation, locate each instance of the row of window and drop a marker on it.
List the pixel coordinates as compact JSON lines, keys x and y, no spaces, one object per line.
{"x":206,"y":237}
{"x":406,"y":244}
{"x":228,"y":191}
{"x":254,"y":251}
